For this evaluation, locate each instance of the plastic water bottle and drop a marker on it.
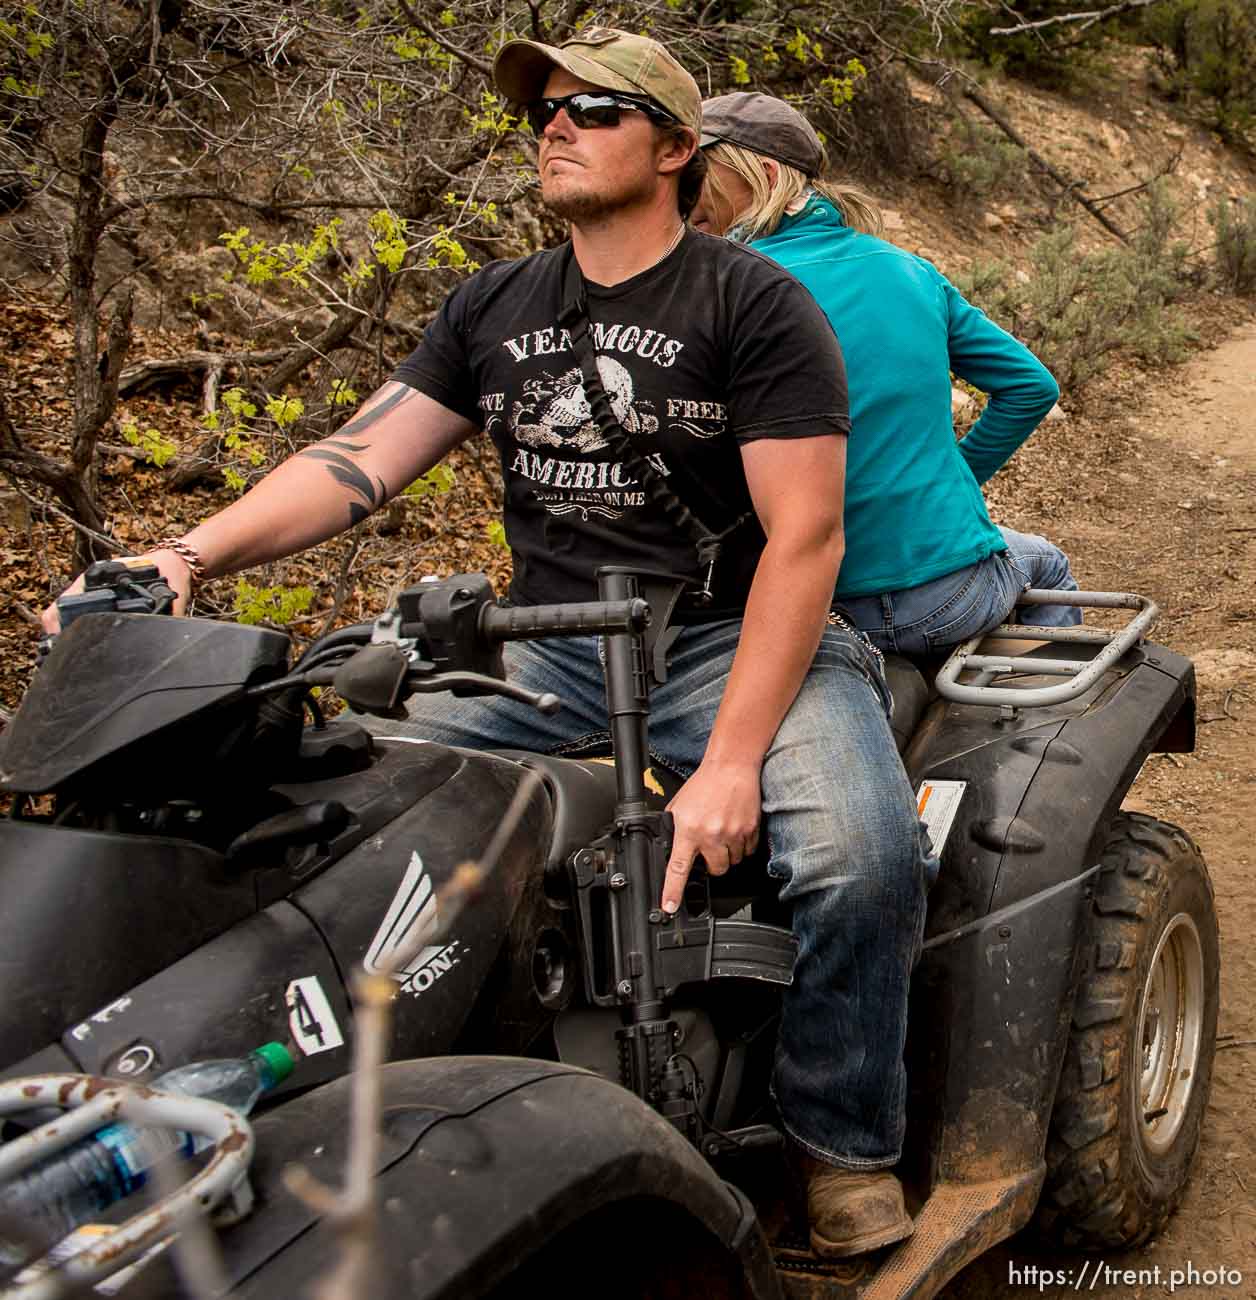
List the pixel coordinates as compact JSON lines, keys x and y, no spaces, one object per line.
{"x":74,"y":1185}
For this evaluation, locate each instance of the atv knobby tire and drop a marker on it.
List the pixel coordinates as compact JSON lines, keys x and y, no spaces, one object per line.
{"x":1137,"y":1072}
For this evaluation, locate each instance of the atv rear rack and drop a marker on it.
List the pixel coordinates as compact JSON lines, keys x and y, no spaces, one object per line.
{"x":93,"y":1103}
{"x":1082,"y":674}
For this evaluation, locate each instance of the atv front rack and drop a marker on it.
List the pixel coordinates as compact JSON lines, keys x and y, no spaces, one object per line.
{"x":1082,"y":674}
{"x":93,"y":1103}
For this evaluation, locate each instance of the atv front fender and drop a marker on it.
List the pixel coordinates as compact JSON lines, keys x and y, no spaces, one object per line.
{"x":484,"y":1163}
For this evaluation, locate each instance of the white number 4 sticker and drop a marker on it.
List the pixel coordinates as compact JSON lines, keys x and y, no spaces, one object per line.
{"x":310,"y":1017}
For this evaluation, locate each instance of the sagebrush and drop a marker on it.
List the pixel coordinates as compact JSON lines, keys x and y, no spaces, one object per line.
{"x":1076,"y":308}
{"x":1234,"y":224}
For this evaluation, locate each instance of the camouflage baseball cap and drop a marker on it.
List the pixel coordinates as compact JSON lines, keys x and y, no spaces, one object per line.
{"x":606,"y":57}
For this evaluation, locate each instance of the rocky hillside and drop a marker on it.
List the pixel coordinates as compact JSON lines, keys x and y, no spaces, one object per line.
{"x":978,"y":199}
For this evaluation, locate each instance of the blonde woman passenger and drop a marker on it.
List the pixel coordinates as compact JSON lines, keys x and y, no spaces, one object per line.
{"x":925,"y":567}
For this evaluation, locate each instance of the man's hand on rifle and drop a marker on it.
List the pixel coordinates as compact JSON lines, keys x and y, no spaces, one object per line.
{"x":716,"y":816}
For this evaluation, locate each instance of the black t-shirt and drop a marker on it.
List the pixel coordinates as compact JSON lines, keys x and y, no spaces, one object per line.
{"x":714,"y":346}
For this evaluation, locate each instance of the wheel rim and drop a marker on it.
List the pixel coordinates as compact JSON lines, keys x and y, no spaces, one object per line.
{"x":1170,"y":1031}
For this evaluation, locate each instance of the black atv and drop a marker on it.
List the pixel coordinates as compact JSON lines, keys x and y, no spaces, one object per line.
{"x":188,"y":870}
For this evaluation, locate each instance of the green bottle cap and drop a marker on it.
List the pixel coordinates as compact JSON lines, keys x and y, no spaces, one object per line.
{"x":278,"y":1061}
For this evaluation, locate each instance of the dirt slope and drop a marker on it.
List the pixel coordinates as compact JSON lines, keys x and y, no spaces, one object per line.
{"x":1176,"y":518}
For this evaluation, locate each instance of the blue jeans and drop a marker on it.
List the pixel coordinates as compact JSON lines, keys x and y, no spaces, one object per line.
{"x":947,"y":611}
{"x":844,"y":842}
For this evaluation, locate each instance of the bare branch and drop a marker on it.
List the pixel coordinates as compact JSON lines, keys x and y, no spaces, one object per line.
{"x":118,"y":449}
{"x":309,"y":1191}
{"x":35,"y":466}
{"x":197,"y":1258}
{"x":566,"y":24}
{"x":28,"y":616}
{"x":168,"y":370}
{"x":109,"y":370}
{"x":1166,"y":169}
{"x":343,"y":584}
{"x":266,"y":207}
{"x":1088,"y":18}
{"x":110,"y":543}
{"x":1070,"y":187}
{"x":336,"y":335}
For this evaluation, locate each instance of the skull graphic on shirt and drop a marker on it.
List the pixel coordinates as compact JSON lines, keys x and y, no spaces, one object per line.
{"x":555,"y":412}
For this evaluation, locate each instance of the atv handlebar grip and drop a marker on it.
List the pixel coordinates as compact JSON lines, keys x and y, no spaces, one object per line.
{"x":594,"y":618}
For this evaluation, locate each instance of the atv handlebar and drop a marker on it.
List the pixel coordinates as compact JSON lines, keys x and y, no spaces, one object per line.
{"x":589,"y":618}
{"x":113,"y":587}
{"x":439,"y":635}
{"x":447,"y":636}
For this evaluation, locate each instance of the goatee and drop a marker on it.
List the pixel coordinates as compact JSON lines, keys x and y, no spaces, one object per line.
{"x":578,"y":207}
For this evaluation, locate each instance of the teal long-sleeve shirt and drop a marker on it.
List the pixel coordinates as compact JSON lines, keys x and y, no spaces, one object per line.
{"x":914,"y":509}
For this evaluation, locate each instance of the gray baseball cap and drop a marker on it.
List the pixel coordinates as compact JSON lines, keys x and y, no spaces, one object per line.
{"x":603,"y":56}
{"x":764,"y":125}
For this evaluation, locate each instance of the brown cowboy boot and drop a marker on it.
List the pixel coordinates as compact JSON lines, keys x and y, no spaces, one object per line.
{"x":852,"y":1211}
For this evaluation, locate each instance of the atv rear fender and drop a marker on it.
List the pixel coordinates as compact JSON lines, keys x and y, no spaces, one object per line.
{"x":993,"y":994}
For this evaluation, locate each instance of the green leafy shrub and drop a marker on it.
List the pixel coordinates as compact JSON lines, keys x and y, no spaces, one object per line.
{"x":158,"y":450}
{"x":1076,"y":308}
{"x":270,"y":604}
{"x":232,"y":421}
{"x":25,"y":47}
{"x":439,"y":479}
{"x":828,"y":60}
{"x":1235,"y":227}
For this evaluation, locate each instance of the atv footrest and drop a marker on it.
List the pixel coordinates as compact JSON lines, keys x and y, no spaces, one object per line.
{"x":957,"y":1223}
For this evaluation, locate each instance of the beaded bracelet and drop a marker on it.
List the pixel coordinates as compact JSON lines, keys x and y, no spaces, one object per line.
{"x":196,"y":566}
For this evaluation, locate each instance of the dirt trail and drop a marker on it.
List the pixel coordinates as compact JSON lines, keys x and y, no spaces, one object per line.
{"x":1177,"y":520}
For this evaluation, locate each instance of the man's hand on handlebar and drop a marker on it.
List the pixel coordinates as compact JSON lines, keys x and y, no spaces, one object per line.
{"x":716,"y":815}
{"x":172,"y":567}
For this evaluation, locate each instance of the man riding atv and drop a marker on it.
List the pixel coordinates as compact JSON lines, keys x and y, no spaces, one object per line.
{"x":732,"y":385}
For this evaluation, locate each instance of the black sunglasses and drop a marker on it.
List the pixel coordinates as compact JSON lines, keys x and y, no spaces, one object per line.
{"x":593,"y":108}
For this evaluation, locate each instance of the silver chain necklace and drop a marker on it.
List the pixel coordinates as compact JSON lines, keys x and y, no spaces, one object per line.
{"x":669,"y":250}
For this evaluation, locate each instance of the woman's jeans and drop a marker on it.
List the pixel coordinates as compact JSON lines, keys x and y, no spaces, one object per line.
{"x":949,"y":610}
{"x":845,"y":847}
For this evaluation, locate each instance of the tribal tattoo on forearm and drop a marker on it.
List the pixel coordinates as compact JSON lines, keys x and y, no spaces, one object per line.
{"x":344,"y":470}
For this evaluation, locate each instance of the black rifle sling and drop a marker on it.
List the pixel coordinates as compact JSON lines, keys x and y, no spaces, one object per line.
{"x":574,"y":318}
